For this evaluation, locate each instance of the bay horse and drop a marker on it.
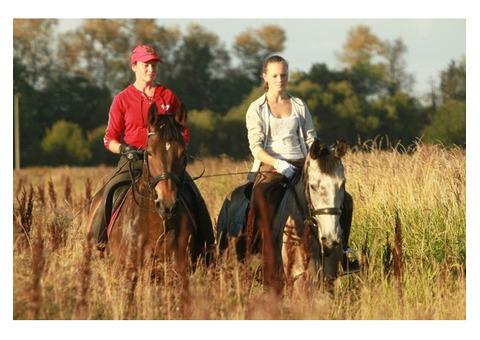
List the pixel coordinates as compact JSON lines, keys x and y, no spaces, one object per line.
{"x":307,"y":237}
{"x":154,"y":223}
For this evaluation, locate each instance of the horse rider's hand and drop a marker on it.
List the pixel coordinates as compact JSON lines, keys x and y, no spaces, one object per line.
{"x":285,"y":168}
{"x":131,"y":153}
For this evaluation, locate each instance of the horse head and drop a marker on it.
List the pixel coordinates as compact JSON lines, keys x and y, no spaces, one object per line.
{"x":325,"y":190}
{"x":165,"y":158}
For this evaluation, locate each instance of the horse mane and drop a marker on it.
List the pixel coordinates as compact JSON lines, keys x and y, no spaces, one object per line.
{"x":168,"y":128}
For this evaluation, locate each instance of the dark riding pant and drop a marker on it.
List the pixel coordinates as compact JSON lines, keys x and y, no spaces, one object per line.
{"x":113,"y":192}
{"x":267,"y":193}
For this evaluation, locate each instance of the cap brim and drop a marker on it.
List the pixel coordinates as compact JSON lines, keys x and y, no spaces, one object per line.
{"x":149,"y":58}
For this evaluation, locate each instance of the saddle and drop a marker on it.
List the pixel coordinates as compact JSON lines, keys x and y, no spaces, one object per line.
{"x":188,"y":195}
{"x":233,"y":214}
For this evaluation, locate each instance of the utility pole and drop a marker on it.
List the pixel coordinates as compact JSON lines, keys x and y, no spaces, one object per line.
{"x":17,"y":131}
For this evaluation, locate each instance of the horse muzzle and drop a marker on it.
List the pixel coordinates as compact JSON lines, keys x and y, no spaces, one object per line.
{"x":330,"y":243}
{"x":166,"y":209}
{"x":331,"y":240}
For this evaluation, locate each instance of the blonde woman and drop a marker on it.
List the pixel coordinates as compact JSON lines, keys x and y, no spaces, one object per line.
{"x":280,"y":133}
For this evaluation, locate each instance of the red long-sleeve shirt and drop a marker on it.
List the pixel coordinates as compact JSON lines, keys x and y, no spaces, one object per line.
{"x":128,"y":116}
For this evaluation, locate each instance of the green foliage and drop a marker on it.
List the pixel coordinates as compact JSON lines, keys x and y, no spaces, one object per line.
{"x":369,"y":97}
{"x":449,"y":125}
{"x":399,"y":117}
{"x":254,"y":46}
{"x":74,"y":99}
{"x":202,"y":126}
{"x":454,"y":81}
{"x":65,"y":144}
{"x":100,"y":155}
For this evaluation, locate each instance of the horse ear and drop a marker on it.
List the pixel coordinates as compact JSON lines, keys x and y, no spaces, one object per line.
{"x":181,"y":114}
{"x":316,"y":148}
{"x":152,"y":114}
{"x":341,"y":149}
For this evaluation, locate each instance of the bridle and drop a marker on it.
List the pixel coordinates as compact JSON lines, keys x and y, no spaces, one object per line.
{"x":312,"y":212}
{"x":309,"y":216}
{"x":152,"y":182}
{"x":163,"y":176}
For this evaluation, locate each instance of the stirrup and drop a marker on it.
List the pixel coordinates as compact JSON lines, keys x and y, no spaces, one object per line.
{"x":100,"y":251}
{"x":350,"y":266}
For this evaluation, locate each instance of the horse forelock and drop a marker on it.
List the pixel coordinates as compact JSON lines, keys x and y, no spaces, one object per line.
{"x":167,"y":128}
{"x":326,"y":161}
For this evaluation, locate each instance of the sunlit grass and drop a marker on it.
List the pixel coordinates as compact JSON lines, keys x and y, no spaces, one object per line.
{"x":424,"y":193}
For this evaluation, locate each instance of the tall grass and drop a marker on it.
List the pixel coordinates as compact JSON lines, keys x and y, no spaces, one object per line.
{"x":409,"y":228}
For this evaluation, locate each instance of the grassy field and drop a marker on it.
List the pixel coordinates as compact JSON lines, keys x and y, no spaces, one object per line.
{"x":409,"y":229}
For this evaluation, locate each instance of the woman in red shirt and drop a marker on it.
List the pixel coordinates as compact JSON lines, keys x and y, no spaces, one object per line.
{"x":126,"y":135}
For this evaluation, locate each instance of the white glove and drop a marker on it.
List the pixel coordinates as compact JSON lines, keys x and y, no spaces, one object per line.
{"x":285,"y":168}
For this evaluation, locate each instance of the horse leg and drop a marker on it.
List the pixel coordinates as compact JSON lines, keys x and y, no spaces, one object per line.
{"x":182,"y":259}
{"x":290,"y":256}
{"x":346,"y":218}
{"x":332,"y":268}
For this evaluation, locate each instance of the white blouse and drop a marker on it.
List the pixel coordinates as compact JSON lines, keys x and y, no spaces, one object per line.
{"x":283,"y":140}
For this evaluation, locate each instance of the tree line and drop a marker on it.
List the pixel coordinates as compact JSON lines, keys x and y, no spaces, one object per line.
{"x":66,"y":83}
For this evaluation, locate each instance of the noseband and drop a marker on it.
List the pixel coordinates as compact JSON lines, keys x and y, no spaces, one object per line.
{"x":325,"y":211}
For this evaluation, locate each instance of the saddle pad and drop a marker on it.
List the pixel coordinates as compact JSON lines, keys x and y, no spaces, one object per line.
{"x":233,"y":214}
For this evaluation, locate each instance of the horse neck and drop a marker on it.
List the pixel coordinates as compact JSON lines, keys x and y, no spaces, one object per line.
{"x":300,"y":191}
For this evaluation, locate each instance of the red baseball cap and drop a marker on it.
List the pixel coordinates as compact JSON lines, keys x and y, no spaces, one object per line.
{"x":144,"y":53}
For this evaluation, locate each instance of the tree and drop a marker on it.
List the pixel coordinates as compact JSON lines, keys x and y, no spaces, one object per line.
{"x":375,"y":68}
{"x":360,"y":56}
{"x":100,"y":155}
{"x":74,"y":99}
{"x":454,"y":81}
{"x":64,"y":144}
{"x":203,"y":127}
{"x":99,"y":51}
{"x":254,"y":46}
{"x":33,"y":47}
{"x":400,"y":118}
{"x":449,"y":124}
{"x":398,"y":80}
{"x":199,"y":60}
{"x":360,"y":48}
{"x":31,"y":131}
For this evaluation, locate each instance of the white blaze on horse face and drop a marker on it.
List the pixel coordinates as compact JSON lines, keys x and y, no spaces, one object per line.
{"x":326,"y":191}
{"x":167,"y":146}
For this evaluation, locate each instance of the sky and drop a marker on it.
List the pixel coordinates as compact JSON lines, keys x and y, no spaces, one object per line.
{"x":432,"y":44}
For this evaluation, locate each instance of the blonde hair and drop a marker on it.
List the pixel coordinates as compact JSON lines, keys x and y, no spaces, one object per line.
{"x":272,"y":59}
